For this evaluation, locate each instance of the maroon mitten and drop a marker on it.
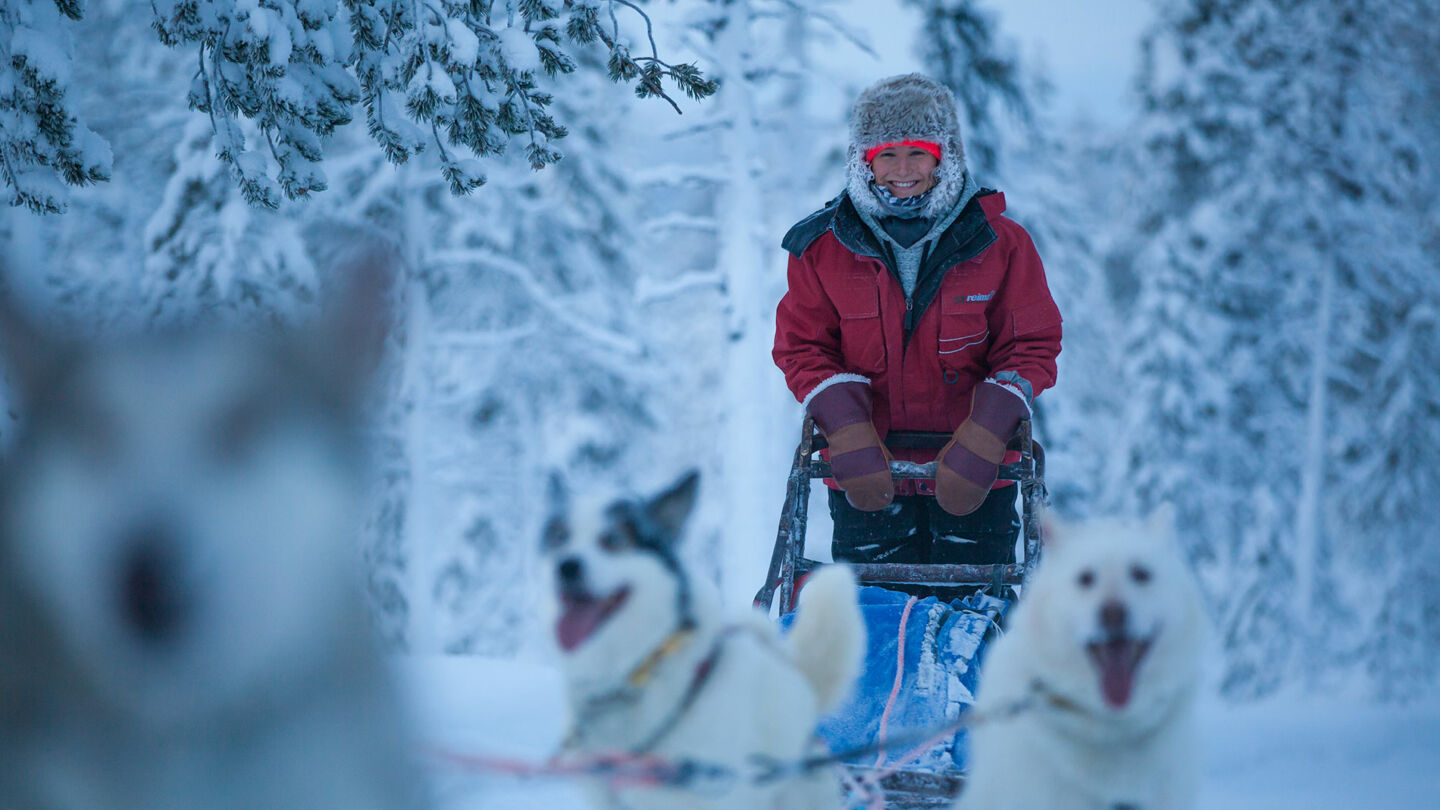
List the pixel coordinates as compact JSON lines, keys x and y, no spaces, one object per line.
{"x":859,"y":461}
{"x":969,"y":463}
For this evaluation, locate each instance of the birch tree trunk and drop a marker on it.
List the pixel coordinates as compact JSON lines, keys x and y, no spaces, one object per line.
{"x":749,"y":431}
{"x":422,"y":633}
{"x":1312,"y":473}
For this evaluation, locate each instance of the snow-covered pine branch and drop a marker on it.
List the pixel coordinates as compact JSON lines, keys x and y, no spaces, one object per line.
{"x":43,"y":143}
{"x":210,"y":255}
{"x":465,"y":79}
{"x":962,"y":44}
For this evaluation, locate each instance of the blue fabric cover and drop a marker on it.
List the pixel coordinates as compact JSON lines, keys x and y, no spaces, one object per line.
{"x":944,"y":643}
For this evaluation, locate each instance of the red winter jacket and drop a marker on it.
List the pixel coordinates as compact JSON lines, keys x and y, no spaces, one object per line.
{"x":981,"y":308}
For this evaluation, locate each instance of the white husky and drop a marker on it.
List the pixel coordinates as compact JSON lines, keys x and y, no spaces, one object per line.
{"x":180,"y":622}
{"x":1107,"y":638}
{"x":652,"y":669}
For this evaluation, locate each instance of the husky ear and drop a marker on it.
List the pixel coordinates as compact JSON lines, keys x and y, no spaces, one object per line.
{"x":361,"y":268}
{"x":1161,"y":522}
{"x":557,"y":496}
{"x":669,"y":510}
{"x":356,"y":327}
{"x":28,"y":352}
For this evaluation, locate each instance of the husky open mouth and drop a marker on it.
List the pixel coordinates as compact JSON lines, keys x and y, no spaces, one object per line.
{"x":1117,"y":659}
{"x":582,"y":614}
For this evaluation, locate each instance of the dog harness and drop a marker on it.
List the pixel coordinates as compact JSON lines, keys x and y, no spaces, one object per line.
{"x":641,"y":676}
{"x":1056,"y":700}
{"x":703,"y":671}
{"x":1060,"y":702}
{"x":634,"y":682}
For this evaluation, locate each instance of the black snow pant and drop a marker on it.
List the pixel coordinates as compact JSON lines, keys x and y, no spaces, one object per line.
{"x":914,"y":529}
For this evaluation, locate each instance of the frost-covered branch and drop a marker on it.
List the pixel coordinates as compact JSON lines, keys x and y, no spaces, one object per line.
{"x":649,"y":72}
{"x":981,"y":66}
{"x":44,"y":145}
{"x":648,"y":292}
{"x":281,"y":65}
{"x":462,"y":79}
{"x":837,"y":25}
{"x":525,"y":276}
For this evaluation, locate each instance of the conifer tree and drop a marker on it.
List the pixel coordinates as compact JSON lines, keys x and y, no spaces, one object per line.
{"x":209,"y":254}
{"x":460,"y":78}
{"x":276,"y":78}
{"x":520,"y":355}
{"x":733,"y":209}
{"x":1058,"y":189}
{"x":1283,"y":273}
{"x":960,"y":45}
{"x":44,"y":143}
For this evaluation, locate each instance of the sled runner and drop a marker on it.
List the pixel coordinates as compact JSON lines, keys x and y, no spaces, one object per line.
{"x":933,"y":644}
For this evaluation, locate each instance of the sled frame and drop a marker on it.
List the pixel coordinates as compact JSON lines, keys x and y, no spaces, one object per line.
{"x":788,"y":561}
{"x":904,"y":789}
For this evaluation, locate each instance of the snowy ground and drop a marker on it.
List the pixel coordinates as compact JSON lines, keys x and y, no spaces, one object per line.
{"x":1277,"y":756}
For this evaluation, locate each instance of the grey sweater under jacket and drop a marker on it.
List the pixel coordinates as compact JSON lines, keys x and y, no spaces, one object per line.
{"x":908,"y":237}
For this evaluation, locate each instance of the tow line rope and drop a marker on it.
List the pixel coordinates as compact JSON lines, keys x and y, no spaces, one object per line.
{"x":914,"y":744}
{"x":618,"y":770}
{"x":622,"y":770}
{"x":899,"y":679}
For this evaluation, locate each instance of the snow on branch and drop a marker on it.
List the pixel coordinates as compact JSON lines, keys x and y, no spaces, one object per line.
{"x":43,"y":144}
{"x":461,"y":79}
{"x":649,"y":292}
{"x":525,"y":276}
{"x":848,"y":33}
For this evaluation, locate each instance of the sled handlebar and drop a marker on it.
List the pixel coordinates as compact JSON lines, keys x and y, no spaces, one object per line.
{"x":788,"y":560}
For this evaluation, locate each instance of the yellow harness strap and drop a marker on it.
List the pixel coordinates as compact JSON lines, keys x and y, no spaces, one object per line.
{"x":642,"y":674}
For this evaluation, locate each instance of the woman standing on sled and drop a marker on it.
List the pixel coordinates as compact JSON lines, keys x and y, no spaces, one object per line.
{"x":915,"y":305}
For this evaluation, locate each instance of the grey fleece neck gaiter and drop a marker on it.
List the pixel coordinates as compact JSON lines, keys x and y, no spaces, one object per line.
{"x":907,"y":259}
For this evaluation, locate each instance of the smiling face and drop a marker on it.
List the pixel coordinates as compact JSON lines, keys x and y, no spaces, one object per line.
{"x":904,"y":171}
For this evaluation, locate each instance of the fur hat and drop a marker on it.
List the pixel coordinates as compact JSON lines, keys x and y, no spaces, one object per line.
{"x":910,"y":107}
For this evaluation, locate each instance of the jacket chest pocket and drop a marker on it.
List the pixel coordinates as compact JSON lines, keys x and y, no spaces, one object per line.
{"x":862,"y":338}
{"x":964,"y":334}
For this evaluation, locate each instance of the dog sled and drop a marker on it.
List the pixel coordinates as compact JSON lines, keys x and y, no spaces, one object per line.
{"x":924,"y":654}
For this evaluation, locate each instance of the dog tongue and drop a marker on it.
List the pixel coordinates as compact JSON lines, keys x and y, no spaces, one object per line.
{"x":581,"y":616}
{"x":578,"y":621}
{"x":1116,"y":661}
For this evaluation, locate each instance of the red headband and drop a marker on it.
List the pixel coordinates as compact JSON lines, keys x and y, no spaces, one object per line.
{"x":929,"y":146}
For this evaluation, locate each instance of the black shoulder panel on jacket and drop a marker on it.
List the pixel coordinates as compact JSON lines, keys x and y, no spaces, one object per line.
{"x":807,"y":230}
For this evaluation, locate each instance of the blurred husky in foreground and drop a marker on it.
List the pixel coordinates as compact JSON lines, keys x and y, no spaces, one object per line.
{"x":1107,"y":637}
{"x":652,"y":669}
{"x":180,"y":619}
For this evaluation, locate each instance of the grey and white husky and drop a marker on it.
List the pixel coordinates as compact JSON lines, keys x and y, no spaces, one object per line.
{"x":653,"y":668}
{"x":180,"y":622}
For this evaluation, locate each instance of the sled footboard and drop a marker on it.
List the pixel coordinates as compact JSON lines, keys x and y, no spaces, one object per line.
{"x":913,"y":790}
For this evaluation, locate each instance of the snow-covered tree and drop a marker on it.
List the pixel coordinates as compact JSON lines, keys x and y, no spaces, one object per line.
{"x":208,"y":251}
{"x":1057,"y":176}
{"x":766,"y":151}
{"x":463,"y":79}
{"x":168,"y":240}
{"x":960,"y":44}
{"x":1283,"y":275}
{"x":519,"y":354}
{"x":132,"y":90}
{"x":44,"y":142}
{"x":518,"y":312}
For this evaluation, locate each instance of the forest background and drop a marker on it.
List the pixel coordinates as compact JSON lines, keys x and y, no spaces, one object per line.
{"x":1242,"y":231}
